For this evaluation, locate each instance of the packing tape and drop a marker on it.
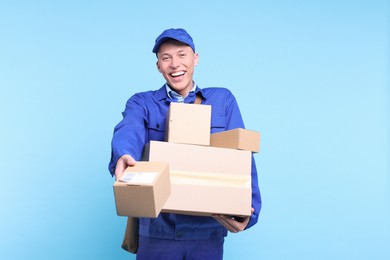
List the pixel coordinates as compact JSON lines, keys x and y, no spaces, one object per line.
{"x":210,"y":179}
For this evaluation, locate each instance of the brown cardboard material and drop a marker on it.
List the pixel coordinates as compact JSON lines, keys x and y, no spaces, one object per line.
{"x":238,"y":138}
{"x":204,"y":196}
{"x":147,"y":193}
{"x":188,"y":124}
{"x":187,"y":157}
{"x":205,"y":180}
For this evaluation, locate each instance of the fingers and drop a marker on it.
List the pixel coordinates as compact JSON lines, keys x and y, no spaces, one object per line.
{"x":224,"y":222}
{"x":121,"y":165}
{"x":231,"y":224}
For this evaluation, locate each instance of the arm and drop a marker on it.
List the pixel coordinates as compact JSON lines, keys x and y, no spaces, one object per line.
{"x":129,"y":137}
{"x":236,"y":224}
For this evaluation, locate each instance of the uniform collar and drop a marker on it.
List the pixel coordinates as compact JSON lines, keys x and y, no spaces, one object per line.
{"x":161,"y":93}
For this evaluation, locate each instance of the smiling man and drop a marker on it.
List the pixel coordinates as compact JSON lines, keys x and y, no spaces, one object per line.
{"x":176,"y":62}
{"x":175,"y":236}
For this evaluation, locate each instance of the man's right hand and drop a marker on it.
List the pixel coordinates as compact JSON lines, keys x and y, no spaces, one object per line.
{"x":123,"y":162}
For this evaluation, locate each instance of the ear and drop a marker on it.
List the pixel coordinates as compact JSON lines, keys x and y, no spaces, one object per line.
{"x":196,"y":59}
{"x":158,"y":66}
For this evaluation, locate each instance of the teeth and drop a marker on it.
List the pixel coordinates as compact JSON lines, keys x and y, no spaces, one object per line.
{"x":179,"y":73}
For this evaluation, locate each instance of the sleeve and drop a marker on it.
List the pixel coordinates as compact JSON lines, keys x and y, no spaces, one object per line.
{"x":256,"y":196}
{"x":130,"y":133}
{"x":234,"y":120}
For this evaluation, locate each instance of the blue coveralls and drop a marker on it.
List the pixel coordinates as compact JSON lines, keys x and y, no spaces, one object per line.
{"x":174,"y":235}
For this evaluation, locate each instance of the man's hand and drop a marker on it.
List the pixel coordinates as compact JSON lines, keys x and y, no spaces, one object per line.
{"x":233,"y":224}
{"x":123,"y":162}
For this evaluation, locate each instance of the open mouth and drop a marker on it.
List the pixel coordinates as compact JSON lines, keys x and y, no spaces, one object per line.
{"x":177,"y":74}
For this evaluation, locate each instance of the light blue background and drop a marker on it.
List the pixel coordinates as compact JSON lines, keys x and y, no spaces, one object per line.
{"x":311,"y":76}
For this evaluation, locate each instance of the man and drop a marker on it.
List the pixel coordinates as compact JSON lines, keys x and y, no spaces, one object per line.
{"x":174,"y":236}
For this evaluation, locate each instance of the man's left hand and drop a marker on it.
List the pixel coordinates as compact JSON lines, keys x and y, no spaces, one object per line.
{"x":233,"y":224}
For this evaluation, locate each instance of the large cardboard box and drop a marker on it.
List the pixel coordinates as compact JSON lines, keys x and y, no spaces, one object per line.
{"x":238,"y":138}
{"x":204,"y":194}
{"x":205,"y":180}
{"x":188,"y":124}
{"x":145,"y":191}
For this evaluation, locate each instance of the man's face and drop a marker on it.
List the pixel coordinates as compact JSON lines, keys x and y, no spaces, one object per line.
{"x":176,"y":63}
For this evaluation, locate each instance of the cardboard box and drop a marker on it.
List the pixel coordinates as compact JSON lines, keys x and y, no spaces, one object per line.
{"x":146,"y":191}
{"x":188,"y":124}
{"x":204,"y":194}
{"x":238,"y":138}
{"x":205,"y":180}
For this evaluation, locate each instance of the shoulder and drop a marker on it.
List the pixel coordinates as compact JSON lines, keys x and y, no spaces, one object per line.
{"x":143,"y":95}
{"x":218,"y":93}
{"x":147,"y":96}
{"x":215,"y":91}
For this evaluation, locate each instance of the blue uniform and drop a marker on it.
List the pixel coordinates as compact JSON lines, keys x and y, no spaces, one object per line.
{"x":144,"y":120}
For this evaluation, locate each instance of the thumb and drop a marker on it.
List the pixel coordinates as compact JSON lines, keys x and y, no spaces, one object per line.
{"x":129,"y":161}
{"x":122,"y":163}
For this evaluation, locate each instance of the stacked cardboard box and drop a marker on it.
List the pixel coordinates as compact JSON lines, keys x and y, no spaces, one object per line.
{"x":188,"y":124}
{"x":209,"y":174}
{"x":238,"y":138}
{"x":205,"y":179}
{"x":143,"y":189}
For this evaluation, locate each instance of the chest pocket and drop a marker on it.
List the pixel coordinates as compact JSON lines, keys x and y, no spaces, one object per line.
{"x":156,"y":127}
{"x":218,"y":123}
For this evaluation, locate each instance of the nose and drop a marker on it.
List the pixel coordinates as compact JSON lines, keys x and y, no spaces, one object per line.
{"x":175,"y":62}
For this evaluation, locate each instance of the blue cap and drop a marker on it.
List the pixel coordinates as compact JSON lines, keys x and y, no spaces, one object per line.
{"x":177,"y":34}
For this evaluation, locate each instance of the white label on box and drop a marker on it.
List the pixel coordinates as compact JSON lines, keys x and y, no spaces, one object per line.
{"x":139,"y":177}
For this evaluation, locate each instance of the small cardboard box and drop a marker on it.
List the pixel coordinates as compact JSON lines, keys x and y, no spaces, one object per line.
{"x":144,"y":190}
{"x":238,"y":138}
{"x":205,"y":180}
{"x":188,"y":124}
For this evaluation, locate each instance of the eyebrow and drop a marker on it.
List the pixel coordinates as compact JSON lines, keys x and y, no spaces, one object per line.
{"x":168,"y":54}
